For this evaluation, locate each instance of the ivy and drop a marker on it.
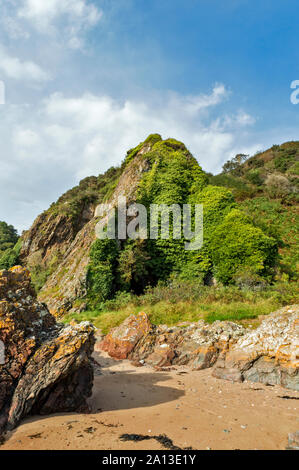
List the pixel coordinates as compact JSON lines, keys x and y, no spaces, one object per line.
{"x":231,"y":241}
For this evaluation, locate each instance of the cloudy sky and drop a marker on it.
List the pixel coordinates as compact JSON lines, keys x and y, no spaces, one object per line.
{"x":85,"y":80}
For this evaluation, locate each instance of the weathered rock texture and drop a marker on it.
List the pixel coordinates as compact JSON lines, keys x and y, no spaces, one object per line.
{"x":198,"y":344}
{"x":120,"y":342}
{"x":269,"y":354}
{"x":46,"y":365}
{"x":293,"y":441}
{"x":54,"y":244}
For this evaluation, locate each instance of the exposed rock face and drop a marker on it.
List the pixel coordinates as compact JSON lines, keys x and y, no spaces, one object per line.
{"x":197,"y":345}
{"x":46,"y":365}
{"x":269,"y":354}
{"x":68,"y":281}
{"x":120,"y":342}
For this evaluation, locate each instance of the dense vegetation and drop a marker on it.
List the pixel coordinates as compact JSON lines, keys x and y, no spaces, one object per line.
{"x":234,"y":247}
{"x":9,"y":246}
{"x":248,"y":265}
{"x":266,"y":188}
{"x":178,"y":301}
{"x":91,"y":190}
{"x":8,"y":236}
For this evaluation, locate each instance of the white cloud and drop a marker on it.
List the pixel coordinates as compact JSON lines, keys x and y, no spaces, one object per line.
{"x":12,"y":27}
{"x":44,"y":12}
{"x":69,"y":17}
{"x":47,"y":150}
{"x":241,"y":119}
{"x":17,"y":69}
{"x":192,"y":104}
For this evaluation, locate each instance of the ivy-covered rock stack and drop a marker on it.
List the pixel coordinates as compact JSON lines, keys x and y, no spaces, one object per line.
{"x":232,"y":244}
{"x":75,"y":270}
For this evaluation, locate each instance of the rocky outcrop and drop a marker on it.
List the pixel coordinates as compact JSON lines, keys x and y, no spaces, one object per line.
{"x":269,"y":354}
{"x":68,"y":282}
{"x":120,"y":342}
{"x":197,"y":345}
{"x":45,"y":366}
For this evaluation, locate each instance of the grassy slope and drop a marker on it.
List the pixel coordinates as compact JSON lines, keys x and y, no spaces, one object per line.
{"x":191,"y":301}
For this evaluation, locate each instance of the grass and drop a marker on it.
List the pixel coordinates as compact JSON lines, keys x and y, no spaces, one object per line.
{"x":190,"y":302}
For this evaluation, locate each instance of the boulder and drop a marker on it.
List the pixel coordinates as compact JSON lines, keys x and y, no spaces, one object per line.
{"x":293,"y":441}
{"x":197,"y":344}
{"x":121,"y":340}
{"x":269,"y":354}
{"x":45,"y":367}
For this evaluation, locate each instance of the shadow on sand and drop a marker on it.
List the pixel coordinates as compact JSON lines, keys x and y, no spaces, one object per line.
{"x":129,"y":388}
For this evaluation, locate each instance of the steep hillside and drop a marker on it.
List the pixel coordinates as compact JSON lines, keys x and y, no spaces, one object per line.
{"x":266,"y":187}
{"x":45,"y":244}
{"x":75,"y":271}
{"x":56,"y":248}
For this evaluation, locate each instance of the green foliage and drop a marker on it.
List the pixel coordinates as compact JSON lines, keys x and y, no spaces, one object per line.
{"x":285,"y":157}
{"x":152,"y":139}
{"x":133,"y":267}
{"x":254,"y":177}
{"x":8,"y":237}
{"x":173,"y":176}
{"x":90,"y":191}
{"x":178,"y":301}
{"x":294,"y":169}
{"x":234,"y":165}
{"x":231,"y":241}
{"x":236,"y":243}
{"x":40,"y":272}
{"x":10,"y":257}
{"x":281,"y":223}
{"x":39,"y":275}
{"x":101,"y":270}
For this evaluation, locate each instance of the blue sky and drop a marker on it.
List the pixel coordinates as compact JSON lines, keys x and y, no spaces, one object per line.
{"x":87,"y":79}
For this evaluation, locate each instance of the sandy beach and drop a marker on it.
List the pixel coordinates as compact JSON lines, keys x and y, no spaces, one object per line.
{"x":191,"y":408}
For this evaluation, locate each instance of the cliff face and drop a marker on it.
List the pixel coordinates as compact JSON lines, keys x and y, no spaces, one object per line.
{"x":72,"y":269}
{"x":62,"y":249}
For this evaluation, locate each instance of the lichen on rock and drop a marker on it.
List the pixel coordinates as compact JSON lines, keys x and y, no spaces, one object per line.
{"x":197,"y":345}
{"x":47,"y":365}
{"x":269,"y":354}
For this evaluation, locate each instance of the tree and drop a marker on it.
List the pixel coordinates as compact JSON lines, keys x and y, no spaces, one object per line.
{"x":8,"y":237}
{"x":235,"y":163}
{"x":237,"y":244}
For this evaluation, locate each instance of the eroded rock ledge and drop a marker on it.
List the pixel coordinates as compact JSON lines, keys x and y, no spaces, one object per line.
{"x":47,"y":366}
{"x":269,"y":354}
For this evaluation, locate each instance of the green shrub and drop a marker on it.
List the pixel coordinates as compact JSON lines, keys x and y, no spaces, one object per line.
{"x":237,"y":243}
{"x":101,"y":270}
{"x":10,"y":257}
{"x":231,"y":241}
{"x":8,"y":237}
{"x":254,"y":177}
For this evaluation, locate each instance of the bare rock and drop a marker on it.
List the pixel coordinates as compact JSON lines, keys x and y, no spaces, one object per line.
{"x":269,"y":354}
{"x":46,"y":365}
{"x":197,"y":345}
{"x":293,"y":441}
{"x":121,"y":340}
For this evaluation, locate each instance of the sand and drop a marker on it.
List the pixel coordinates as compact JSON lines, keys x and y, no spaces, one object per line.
{"x":191,"y":407}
